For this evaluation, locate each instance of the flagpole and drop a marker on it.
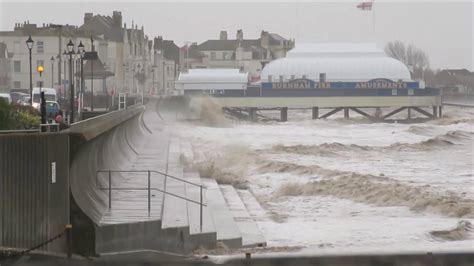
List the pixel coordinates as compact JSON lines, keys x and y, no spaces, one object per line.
{"x":373,"y":18}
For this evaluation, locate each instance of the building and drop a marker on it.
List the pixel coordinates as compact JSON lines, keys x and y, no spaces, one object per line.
{"x":211,"y":81}
{"x":249,"y":55}
{"x":455,"y":81}
{"x":5,"y":69}
{"x":166,"y":65}
{"x":49,"y":42}
{"x":126,"y":52}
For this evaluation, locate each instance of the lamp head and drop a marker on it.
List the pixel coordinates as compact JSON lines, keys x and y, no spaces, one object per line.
{"x":29,"y":43}
{"x":70,"y":46}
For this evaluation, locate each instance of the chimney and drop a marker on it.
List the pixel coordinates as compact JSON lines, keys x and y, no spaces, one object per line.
{"x":117,"y":19}
{"x":88,"y":17}
{"x":240,"y":35}
{"x":223,"y":35}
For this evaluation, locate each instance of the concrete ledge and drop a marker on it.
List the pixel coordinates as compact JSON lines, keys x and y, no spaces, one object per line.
{"x":93,"y":127}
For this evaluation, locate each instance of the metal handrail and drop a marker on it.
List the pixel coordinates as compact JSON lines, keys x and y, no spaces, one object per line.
{"x":151,"y":171}
{"x":149,"y":188}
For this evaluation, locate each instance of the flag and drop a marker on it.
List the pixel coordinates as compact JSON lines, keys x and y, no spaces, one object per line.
{"x":365,"y":6}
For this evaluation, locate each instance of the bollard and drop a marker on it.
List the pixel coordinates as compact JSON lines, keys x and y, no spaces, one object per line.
{"x":68,"y":228}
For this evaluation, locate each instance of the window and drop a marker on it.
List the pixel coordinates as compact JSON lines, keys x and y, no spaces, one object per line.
{"x":213,"y":55}
{"x":303,"y":77}
{"x":17,"y":66}
{"x":281,"y":78}
{"x":17,"y":84}
{"x":16,"y":47}
{"x":322,"y":77}
{"x":292,"y":77}
{"x":269,"y":78}
{"x":40,"y":47}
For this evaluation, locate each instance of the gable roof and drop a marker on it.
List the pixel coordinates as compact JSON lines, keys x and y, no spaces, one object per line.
{"x":103,"y":25}
{"x":226,"y":45}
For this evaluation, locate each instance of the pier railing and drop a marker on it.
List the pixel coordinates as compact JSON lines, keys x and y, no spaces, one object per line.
{"x":149,"y":188}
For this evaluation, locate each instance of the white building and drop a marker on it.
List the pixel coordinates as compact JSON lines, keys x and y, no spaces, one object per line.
{"x":336,"y":62}
{"x":211,"y":81}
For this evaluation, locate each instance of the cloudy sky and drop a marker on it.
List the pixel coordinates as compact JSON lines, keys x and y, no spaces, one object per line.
{"x":443,"y":29}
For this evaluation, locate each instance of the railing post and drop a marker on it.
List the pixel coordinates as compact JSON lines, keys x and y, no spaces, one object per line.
{"x":110,"y":189}
{"x":200,"y":210}
{"x":149,"y":194}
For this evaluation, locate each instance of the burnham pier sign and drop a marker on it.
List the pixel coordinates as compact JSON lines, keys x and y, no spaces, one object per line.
{"x":311,"y":84}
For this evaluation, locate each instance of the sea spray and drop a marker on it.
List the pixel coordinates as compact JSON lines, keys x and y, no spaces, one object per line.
{"x":209,"y":112}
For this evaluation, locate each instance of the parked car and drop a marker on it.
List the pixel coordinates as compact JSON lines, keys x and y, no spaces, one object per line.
{"x":52,"y":108}
{"x":17,"y":96}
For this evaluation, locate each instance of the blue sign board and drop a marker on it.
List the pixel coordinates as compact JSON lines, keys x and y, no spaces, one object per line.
{"x":311,"y":84}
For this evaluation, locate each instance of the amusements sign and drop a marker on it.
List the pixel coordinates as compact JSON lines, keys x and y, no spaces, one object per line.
{"x":311,"y":84}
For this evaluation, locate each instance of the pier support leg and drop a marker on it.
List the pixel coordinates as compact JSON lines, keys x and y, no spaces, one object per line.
{"x":346,"y":113}
{"x":440,"y":111}
{"x":315,"y":112}
{"x":435,"y":111}
{"x":409,"y":113}
{"x":253,"y":114}
{"x":284,"y":114}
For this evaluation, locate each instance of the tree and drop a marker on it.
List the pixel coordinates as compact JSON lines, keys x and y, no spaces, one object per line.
{"x":396,"y":50}
{"x":415,"y":58}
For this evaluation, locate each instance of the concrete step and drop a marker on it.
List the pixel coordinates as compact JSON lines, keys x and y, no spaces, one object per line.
{"x":227,"y":230}
{"x":253,"y":206}
{"x":205,"y":236}
{"x":251,"y":234}
{"x":175,"y":213}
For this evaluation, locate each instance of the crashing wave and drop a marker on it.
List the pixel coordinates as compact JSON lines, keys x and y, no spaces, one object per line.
{"x":370,"y":189}
{"x":333,"y":149}
{"x":462,"y":231}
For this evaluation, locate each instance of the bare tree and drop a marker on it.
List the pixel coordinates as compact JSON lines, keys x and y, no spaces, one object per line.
{"x":410,"y":55}
{"x":396,"y":50}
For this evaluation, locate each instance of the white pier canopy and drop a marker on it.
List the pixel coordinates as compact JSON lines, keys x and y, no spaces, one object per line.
{"x":338,"y":61}
{"x":212,"y":79}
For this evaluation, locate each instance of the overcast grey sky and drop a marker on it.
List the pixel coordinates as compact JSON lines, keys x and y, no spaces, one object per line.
{"x":443,"y":29}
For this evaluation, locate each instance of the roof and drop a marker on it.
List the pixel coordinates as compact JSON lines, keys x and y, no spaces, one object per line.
{"x":192,"y":52}
{"x":226,"y":45}
{"x":212,"y":75}
{"x":340,"y":62}
{"x":67,"y":31}
{"x":99,"y":71}
{"x":456,"y":72}
{"x":103,"y":25}
{"x":169,"y":48}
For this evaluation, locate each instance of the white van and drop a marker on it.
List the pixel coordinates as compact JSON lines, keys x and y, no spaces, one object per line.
{"x":49,"y":95}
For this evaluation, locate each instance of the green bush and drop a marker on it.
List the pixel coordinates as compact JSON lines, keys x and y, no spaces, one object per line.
{"x":17,"y":117}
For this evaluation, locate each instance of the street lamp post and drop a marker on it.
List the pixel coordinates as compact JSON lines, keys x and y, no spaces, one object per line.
{"x":52,"y":71}
{"x":70,"y":47}
{"x":29,"y":44}
{"x":81,"y":55}
{"x":40,"y":70}
{"x":65,"y":71}
{"x":92,"y":76}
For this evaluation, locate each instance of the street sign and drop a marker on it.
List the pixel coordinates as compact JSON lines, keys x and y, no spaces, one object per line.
{"x":53,"y":172}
